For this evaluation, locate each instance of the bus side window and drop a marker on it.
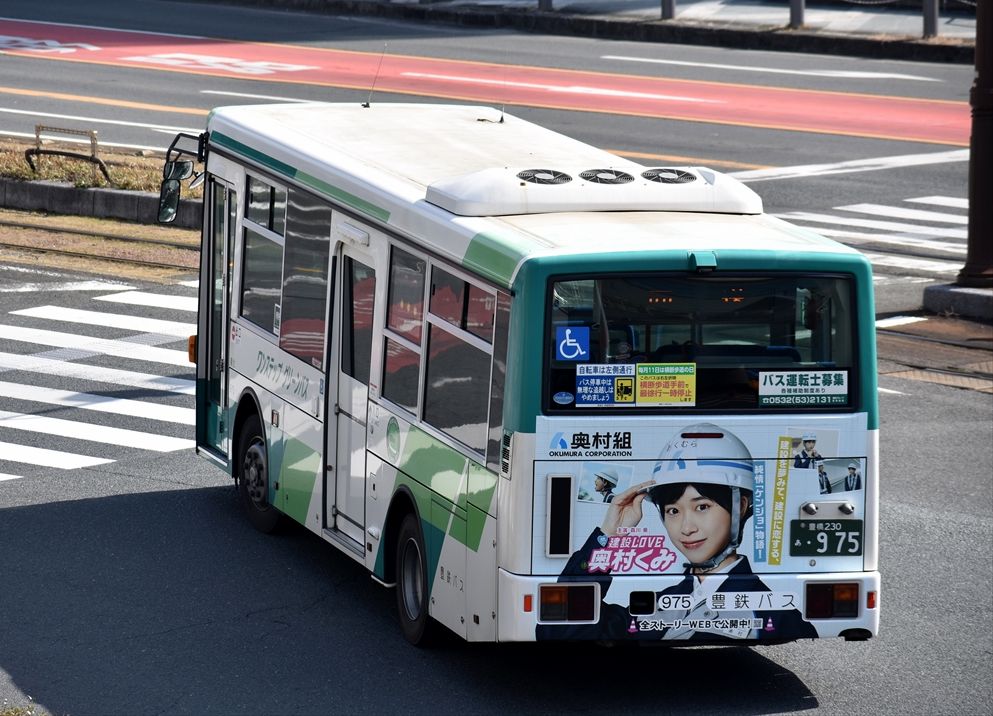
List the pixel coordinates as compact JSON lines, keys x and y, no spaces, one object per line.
{"x":305,"y":278}
{"x":261,"y":280}
{"x":356,"y":333}
{"x":404,"y":324}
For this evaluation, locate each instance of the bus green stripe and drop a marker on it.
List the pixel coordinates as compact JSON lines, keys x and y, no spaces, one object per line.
{"x":304,"y":178}
{"x":494,"y":257}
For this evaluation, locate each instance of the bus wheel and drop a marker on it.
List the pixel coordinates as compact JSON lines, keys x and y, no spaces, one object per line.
{"x":412,"y":585}
{"x":253,"y":467}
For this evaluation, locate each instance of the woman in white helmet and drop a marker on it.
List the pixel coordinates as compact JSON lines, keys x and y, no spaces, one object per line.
{"x":702,"y":486}
{"x":604,"y":483}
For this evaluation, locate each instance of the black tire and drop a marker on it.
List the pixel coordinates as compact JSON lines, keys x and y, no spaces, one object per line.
{"x":412,"y":585}
{"x":253,"y":476}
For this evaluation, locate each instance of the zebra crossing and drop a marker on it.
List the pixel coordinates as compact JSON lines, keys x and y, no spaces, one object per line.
{"x":97,"y":372}
{"x":922,"y":238}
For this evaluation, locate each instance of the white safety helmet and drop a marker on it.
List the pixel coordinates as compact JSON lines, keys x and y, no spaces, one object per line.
{"x":609,"y":476}
{"x":707,"y":454}
{"x":809,"y":437}
{"x":853,"y":466}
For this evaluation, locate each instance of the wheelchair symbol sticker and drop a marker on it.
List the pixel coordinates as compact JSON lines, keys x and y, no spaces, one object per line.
{"x":572,"y":343}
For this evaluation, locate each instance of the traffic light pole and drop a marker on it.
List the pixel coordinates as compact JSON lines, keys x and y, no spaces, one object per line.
{"x":978,"y":269}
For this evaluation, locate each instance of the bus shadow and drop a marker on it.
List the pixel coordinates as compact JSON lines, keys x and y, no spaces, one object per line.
{"x":169,"y":602}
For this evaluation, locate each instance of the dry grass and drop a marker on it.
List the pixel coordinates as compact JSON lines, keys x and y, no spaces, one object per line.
{"x":134,"y":171}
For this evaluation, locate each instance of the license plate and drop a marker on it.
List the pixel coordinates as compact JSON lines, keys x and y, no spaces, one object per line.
{"x":825,"y":538}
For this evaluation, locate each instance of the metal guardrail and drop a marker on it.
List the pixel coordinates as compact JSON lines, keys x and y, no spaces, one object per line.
{"x":93,"y":157}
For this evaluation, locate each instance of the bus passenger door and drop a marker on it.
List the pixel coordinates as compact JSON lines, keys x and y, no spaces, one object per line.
{"x":346,"y":439}
{"x":222,"y":206}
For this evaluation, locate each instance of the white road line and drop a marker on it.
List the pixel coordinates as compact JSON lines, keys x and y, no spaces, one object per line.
{"x":903,"y":262}
{"x":853,"y":165}
{"x":898,"y":321}
{"x":949,"y":201}
{"x":97,"y":120}
{"x":840,"y":74}
{"x":889,"y":278}
{"x":70,"y":140}
{"x":803,"y":216}
{"x":257,"y":96}
{"x":99,"y":374}
{"x":155,"y":300}
{"x":98,"y":403}
{"x":574,"y":89}
{"x":895,"y":239}
{"x":898,"y":212}
{"x":48,"y":458}
{"x":68,"y":286}
{"x":4,"y":476}
{"x":195,"y":283}
{"x":122,"y":349}
{"x":110,"y":320}
{"x":891,"y":392}
{"x":93,"y":433}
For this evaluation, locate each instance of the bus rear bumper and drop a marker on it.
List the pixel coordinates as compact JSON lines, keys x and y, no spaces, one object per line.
{"x":750,"y":608}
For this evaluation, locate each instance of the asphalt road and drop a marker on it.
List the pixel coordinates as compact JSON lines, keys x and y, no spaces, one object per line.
{"x":804,"y":175}
{"x":138,"y":587}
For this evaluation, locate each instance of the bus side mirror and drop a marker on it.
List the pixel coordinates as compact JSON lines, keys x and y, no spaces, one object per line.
{"x":178,"y":170}
{"x":168,"y":201}
{"x":173,"y":172}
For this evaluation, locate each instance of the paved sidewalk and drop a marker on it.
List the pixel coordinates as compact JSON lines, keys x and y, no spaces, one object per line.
{"x":956,"y":21}
{"x":843,"y":27}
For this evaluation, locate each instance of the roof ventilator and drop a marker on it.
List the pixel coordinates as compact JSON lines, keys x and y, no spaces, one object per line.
{"x":544,"y":176}
{"x":668,"y":176}
{"x":606,"y":176}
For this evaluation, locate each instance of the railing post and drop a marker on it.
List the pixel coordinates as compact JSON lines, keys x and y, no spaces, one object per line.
{"x":931,"y":18}
{"x":796,"y":14}
{"x":668,"y":9}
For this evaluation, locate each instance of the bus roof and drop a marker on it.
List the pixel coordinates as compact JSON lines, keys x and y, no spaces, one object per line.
{"x":495,"y":189}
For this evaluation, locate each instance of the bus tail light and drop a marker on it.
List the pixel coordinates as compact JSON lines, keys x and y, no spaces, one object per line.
{"x":566,"y":602}
{"x":832,"y":601}
{"x":870,"y":600}
{"x":191,"y":349}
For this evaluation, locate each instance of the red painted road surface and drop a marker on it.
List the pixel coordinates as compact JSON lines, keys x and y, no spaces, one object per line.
{"x":918,"y":120}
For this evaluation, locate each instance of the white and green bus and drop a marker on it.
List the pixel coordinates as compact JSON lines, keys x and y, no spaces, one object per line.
{"x":542,"y":391}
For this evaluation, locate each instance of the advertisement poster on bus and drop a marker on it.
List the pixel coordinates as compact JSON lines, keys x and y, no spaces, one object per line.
{"x":704,"y":508}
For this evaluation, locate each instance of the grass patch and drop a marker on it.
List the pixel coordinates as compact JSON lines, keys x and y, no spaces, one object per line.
{"x":133,"y":171}
{"x":31,"y":710}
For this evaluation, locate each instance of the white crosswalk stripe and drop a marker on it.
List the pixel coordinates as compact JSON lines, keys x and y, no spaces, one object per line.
{"x":920,"y":235}
{"x":99,"y":374}
{"x":43,"y":457}
{"x":121,"y":349}
{"x":152,"y":300}
{"x":110,"y":320}
{"x":63,"y":391}
{"x":98,"y":403}
{"x":92,"y":432}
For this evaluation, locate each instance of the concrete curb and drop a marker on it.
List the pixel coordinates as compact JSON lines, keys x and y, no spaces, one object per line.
{"x":59,"y":198}
{"x":972,"y":303}
{"x":671,"y":31}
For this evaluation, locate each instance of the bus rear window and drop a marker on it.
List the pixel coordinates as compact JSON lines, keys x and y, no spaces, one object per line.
{"x":672,"y":342}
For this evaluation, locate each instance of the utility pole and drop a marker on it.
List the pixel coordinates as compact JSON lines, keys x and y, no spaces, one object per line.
{"x":978,"y":269}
